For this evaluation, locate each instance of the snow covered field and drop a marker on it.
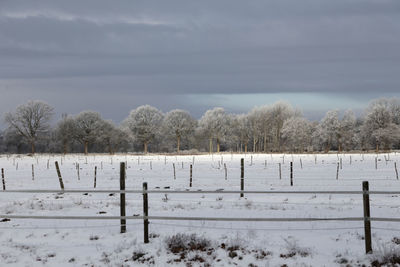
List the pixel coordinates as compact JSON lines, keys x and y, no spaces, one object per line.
{"x":27,"y":242}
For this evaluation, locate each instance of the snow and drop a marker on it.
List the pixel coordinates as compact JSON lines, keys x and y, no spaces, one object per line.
{"x":27,"y":242}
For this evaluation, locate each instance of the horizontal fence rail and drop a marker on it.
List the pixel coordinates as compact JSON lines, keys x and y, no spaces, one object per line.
{"x":138,"y":191}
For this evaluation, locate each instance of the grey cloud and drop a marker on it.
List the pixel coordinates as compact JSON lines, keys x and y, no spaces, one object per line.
{"x":156,"y":51}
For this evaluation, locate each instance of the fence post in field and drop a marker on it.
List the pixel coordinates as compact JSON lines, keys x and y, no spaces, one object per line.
{"x":48,"y":163}
{"x":191,"y":172}
{"x":122,"y":196}
{"x":3,"y":179}
{"x":59,"y":175}
{"x":242,"y":176}
{"x":95,"y":174}
{"x":395,"y":168}
{"x":77,"y":169}
{"x":367,"y":220}
{"x":301,"y":164}
{"x":350,"y":159}
{"x":341,"y":165}
{"x":376,"y":163}
{"x":173,"y":165}
{"x":33,"y":172}
{"x":226,"y":171}
{"x":151,"y":165}
{"x":337,"y":171}
{"x":280,"y":171}
{"x":291,"y":173}
{"x":145,"y":214}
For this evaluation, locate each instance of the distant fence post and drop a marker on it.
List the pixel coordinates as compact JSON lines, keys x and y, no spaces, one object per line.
{"x":145,"y":214}
{"x":280,"y":171}
{"x":291,"y":173}
{"x":33,"y":172}
{"x":337,"y":171}
{"x":77,"y":170}
{"x":242,"y":176}
{"x":122,"y":196}
{"x":226,"y":171}
{"x":367,"y":218}
{"x":95,"y":174}
{"x":173,"y":165}
{"x":191,"y":175}
{"x":395,"y":168}
{"x":3,"y":179}
{"x":59,"y":175}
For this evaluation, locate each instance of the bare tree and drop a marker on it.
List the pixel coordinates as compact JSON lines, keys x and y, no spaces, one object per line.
{"x":215,"y":124}
{"x":296,"y":132}
{"x":30,"y":121}
{"x":145,"y":123}
{"x":87,"y":126}
{"x":112,"y":137}
{"x":64,"y":131}
{"x":179,"y":123}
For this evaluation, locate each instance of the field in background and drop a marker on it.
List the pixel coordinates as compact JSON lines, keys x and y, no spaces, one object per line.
{"x":99,"y":242}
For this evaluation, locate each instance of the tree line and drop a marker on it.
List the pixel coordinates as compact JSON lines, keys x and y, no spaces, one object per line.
{"x":271,"y":128}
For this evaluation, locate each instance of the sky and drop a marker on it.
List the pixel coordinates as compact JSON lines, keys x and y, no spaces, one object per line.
{"x":113,"y":56}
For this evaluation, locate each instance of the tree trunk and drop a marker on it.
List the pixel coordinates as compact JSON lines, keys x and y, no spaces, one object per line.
{"x":265,"y":140}
{"x":245,"y":147}
{"x":65,"y":145}
{"x":218,"y":145}
{"x":377,"y":148}
{"x":33,"y":147}
{"x":178,"y":143}
{"x":86,"y":147}
{"x":254,"y":144}
{"x":145,"y":147}
{"x":210,"y":144}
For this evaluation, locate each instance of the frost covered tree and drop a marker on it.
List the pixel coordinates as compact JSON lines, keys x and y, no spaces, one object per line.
{"x":64,"y":131}
{"x":179,"y":124}
{"x":112,"y":137}
{"x":145,"y":123}
{"x":215,"y":125}
{"x":87,"y":128}
{"x":379,"y":124}
{"x":326,"y":134}
{"x":280,"y":111}
{"x":296,"y":133}
{"x":347,"y":130}
{"x":242,"y":130}
{"x":31,"y":121}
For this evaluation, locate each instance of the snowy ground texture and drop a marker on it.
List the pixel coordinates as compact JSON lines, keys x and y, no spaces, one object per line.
{"x":27,"y":242}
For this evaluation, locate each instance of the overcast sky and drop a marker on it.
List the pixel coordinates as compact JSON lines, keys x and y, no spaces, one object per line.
{"x":112,"y":56}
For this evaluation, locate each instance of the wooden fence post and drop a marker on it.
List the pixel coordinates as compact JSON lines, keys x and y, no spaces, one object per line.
{"x":301,"y":164}
{"x":395,"y":168}
{"x":122,"y":196}
{"x":59,"y":175}
{"x":95,"y":174}
{"x":77,"y":169}
{"x":145,"y":214}
{"x":376,"y":163}
{"x":280,"y":171}
{"x":3,"y":179}
{"x":226,"y":172}
{"x":173,"y":165}
{"x":291,"y":173}
{"x":367,"y":218}
{"x":33,"y":172}
{"x":191,"y":172}
{"x":341,"y":165}
{"x":242,"y":176}
{"x":337,"y":171}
